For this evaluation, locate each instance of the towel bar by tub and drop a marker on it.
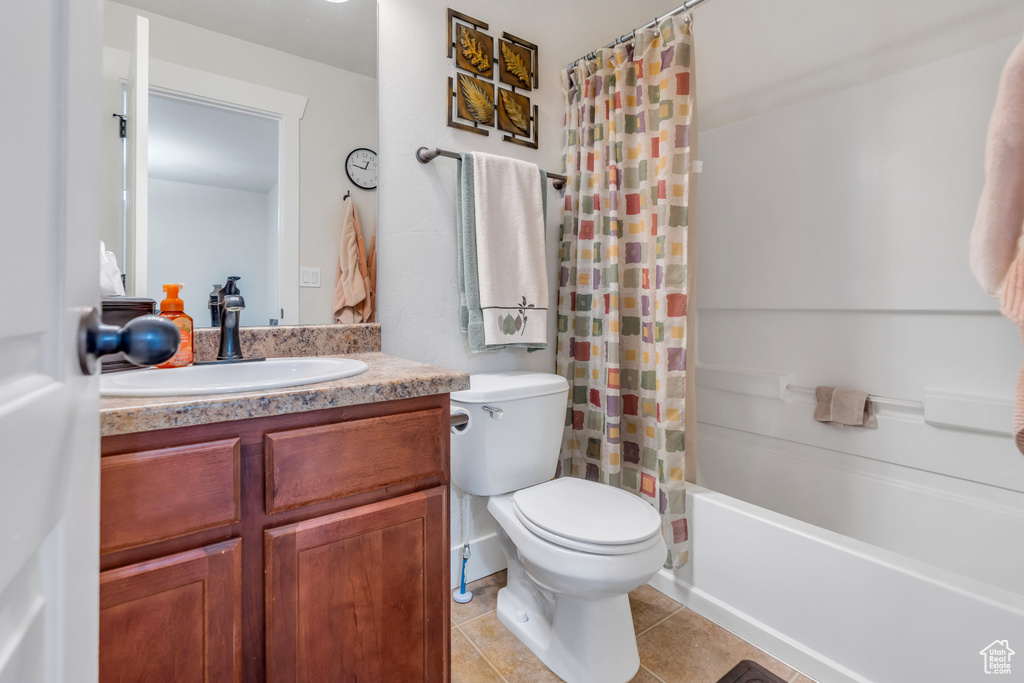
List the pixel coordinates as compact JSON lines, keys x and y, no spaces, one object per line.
{"x":425,"y":155}
{"x":877,"y":400}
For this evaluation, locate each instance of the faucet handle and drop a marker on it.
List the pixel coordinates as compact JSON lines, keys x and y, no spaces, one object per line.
{"x":231,"y":286}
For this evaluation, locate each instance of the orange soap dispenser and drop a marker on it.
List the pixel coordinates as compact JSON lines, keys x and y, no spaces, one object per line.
{"x":173,"y":309}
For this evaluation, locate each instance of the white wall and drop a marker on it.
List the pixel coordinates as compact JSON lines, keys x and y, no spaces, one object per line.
{"x":833,"y":240}
{"x":200,"y":234}
{"x":418,"y":294}
{"x":273,"y":248}
{"x":341,"y":115}
{"x":112,"y":154}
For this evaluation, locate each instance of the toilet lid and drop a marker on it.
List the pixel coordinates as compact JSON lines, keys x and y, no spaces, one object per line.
{"x":586,"y":512}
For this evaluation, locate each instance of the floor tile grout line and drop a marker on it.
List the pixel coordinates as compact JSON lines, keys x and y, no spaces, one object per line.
{"x":659,"y":623}
{"x":656,"y":676}
{"x":481,"y":653}
{"x":492,"y":611}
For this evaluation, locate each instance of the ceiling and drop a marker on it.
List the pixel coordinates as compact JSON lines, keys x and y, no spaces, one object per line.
{"x":204,"y":145}
{"x":343,"y":35}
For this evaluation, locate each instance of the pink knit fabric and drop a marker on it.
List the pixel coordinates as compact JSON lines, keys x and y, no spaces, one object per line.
{"x":996,"y":257}
{"x":1012,"y":306}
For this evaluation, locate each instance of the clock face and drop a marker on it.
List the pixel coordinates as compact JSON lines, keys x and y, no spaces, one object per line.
{"x":361,"y":167}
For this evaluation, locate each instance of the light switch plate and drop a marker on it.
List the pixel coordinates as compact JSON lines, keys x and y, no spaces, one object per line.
{"x":309,"y":277}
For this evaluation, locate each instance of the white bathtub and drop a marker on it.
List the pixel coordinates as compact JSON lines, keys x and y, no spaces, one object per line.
{"x":836,"y":608}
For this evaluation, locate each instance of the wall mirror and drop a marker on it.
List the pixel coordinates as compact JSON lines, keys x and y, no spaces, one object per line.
{"x":238,"y":119}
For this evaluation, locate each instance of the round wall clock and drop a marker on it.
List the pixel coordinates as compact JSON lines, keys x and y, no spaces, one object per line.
{"x":361,"y":167}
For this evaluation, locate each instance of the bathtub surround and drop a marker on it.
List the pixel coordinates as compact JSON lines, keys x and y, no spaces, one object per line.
{"x":500,"y":223}
{"x":622,"y":281}
{"x":858,"y":173}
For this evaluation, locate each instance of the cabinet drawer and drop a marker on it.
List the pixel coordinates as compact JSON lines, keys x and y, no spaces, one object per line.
{"x":314,"y":464}
{"x":156,"y":495}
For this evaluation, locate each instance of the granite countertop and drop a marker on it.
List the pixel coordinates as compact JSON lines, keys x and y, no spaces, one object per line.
{"x":388,"y":379}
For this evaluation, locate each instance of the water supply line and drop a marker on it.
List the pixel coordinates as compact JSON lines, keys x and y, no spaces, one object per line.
{"x":461,"y":595}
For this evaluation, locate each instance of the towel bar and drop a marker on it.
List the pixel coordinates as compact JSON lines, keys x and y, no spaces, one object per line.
{"x":425,"y":155}
{"x":877,"y":400}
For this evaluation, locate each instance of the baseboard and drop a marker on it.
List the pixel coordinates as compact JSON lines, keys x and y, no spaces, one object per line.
{"x":485,"y":558}
{"x":757,"y":633}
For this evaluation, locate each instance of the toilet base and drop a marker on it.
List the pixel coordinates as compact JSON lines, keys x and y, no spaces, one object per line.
{"x":588,"y":641}
{"x":581,"y":639}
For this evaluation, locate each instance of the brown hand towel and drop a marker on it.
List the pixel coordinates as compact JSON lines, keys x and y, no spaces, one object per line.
{"x":844,"y":407}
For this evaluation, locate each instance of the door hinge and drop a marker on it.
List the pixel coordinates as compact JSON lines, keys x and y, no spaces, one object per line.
{"x":124,"y":122}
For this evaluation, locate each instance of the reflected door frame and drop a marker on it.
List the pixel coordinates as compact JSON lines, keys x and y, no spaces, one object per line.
{"x":202,"y":87}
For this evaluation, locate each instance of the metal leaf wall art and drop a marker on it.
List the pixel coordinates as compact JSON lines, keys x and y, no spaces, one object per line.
{"x":490,"y":89}
{"x":519,"y":118}
{"x":478,"y":102}
{"x":514,"y":64}
{"x":474,"y":52}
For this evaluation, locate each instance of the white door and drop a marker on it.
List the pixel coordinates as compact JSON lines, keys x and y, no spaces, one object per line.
{"x":50,"y":75}
{"x":137,"y":131}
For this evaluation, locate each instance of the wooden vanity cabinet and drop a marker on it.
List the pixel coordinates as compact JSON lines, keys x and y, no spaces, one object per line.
{"x":304,"y":547}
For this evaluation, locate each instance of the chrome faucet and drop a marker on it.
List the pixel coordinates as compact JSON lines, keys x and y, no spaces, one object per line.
{"x":230,"y":304}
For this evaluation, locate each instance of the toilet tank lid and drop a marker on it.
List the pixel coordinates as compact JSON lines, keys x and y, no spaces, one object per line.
{"x":508,"y":386}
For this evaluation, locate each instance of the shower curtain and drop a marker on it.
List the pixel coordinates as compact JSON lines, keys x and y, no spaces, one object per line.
{"x":621,"y":339}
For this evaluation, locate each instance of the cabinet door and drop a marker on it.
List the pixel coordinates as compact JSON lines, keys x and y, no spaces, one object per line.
{"x":176,"y":619}
{"x":360,"y":595}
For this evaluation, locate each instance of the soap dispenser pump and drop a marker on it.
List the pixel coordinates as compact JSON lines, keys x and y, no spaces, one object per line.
{"x":173,"y":308}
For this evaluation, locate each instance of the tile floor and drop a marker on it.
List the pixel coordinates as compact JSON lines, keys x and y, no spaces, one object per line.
{"x":676,"y":645}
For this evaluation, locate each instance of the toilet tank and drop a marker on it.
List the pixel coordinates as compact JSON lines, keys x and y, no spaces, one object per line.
{"x":514,"y":433}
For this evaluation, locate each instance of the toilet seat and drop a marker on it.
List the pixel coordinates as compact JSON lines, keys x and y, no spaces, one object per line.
{"x":589,"y":517}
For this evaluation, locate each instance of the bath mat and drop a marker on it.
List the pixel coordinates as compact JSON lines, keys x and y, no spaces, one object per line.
{"x":750,"y":672}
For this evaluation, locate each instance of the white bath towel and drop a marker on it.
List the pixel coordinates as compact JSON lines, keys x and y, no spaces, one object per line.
{"x":511,"y":262}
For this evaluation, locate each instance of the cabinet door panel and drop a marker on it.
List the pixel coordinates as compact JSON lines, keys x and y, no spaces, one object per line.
{"x":176,"y":619}
{"x":360,"y":595}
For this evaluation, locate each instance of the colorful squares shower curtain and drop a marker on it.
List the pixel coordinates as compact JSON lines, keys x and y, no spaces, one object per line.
{"x":622,"y":285}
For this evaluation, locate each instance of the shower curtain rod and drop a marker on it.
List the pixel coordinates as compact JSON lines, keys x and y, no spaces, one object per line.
{"x":685,"y":7}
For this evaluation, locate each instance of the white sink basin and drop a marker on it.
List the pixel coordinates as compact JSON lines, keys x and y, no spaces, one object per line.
{"x":273,"y":373}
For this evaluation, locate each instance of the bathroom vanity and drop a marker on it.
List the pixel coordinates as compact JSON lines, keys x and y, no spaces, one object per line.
{"x":296,"y":534}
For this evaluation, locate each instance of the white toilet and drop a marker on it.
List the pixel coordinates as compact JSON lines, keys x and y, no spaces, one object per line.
{"x":575,"y":548}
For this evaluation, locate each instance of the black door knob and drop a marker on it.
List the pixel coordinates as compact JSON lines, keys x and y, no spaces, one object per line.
{"x":146,"y":340}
